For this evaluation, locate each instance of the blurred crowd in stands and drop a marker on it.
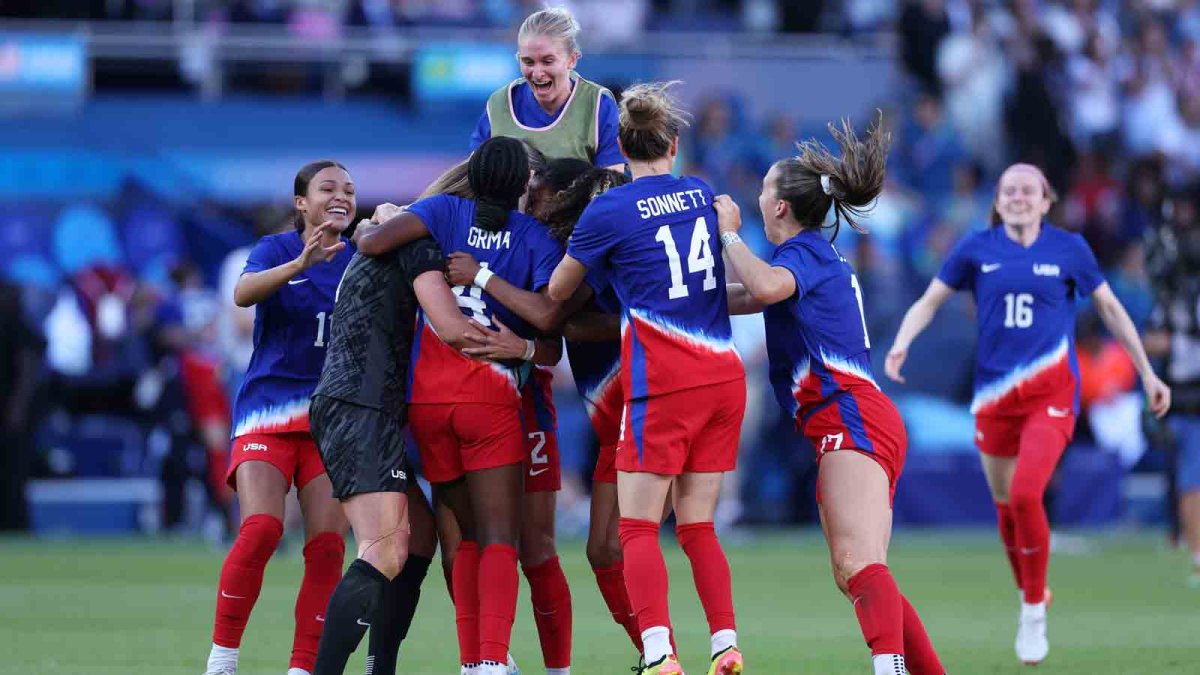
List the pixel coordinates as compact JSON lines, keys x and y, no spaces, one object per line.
{"x":1104,"y":95}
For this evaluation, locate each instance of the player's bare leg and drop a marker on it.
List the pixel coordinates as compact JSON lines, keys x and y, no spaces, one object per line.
{"x":856,"y":515}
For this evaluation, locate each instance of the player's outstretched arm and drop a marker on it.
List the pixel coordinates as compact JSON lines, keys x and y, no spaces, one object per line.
{"x":915,"y":320}
{"x":1117,"y":321}
{"x":397,"y":231}
{"x":538,"y":308}
{"x":740,"y":300}
{"x":765,"y":284}
{"x":441,"y":310}
{"x":254,"y":287}
{"x":566,"y":279}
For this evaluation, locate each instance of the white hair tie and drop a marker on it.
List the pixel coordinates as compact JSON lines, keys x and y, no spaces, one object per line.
{"x":826,"y":184}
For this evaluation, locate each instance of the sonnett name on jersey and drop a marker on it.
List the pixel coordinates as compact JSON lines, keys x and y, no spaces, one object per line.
{"x":657,"y":205}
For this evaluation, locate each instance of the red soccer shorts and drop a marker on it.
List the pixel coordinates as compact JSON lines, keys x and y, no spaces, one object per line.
{"x":693,"y":430}
{"x":543,"y":470}
{"x":605,"y":416}
{"x":294,"y":453}
{"x":1000,"y":435}
{"x":454,"y":438}
{"x":866,"y":422}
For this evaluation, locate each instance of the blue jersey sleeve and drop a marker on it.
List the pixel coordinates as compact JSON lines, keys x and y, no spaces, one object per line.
{"x":438,"y":213}
{"x":958,"y":272}
{"x":593,"y":238}
{"x":1085,"y":270}
{"x":483,"y":131}
{"x":546,"y":256}
{"x":791,"y":258}
{"x":608,"y":152}
{"x":265,"y":255}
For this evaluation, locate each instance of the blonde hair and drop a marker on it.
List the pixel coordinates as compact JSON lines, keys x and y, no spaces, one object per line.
{"x":556,"y":23}
{"x":650,"y":119}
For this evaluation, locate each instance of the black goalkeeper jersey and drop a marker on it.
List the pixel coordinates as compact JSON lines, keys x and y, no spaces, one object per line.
{"x":370,"y":338}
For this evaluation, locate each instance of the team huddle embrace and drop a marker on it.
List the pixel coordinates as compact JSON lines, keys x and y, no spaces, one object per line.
{"x":566,"y":226}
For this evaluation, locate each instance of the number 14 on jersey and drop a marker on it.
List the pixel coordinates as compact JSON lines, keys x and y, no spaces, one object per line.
{"x":700,"y":258}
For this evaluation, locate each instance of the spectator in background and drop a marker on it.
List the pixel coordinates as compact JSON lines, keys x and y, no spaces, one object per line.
{"x":20,"y":364}
{"x":1175,"y":334}
{"x":974,"y":76}
{"x":923,"y":26}
{"x":932,"y":150}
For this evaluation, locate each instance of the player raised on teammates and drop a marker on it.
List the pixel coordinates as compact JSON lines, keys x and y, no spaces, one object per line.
{"x":1025,"y":275}
{"x":683,"y":382}
{"x":290,"y":279}
{"x":464,"y":413}
{"x":820,"y":369}
{"x":550,"y":105}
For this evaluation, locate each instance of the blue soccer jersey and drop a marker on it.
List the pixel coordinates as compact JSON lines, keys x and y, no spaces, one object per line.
{"x":1025,"y":301}
{"x":290,"y":331}
{"x":656,"y":239}
{"x":529,"y":113}
{"x":595,"y":366}
{"x":817,"y":341}
{"x":524,"y":255}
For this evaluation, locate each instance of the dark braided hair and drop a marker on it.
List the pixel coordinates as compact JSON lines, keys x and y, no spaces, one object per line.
{"x":565,"y":207}
{"x":300,"y":185}
{"x":816,"y":180}
{"x":498,"y":173}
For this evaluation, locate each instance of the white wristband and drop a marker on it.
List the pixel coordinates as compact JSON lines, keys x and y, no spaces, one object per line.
{"x":729,"y":239}
{"x":482,"y":276}
{"x":530,"y":347}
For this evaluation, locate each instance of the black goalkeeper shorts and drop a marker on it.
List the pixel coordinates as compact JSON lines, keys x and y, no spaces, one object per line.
{"x":362,"y":448}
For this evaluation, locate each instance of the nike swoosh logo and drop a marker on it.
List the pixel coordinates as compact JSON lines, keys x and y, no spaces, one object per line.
{"x":232,"y":597}
{"x":537,"y":472}
{"x":320,"y":618}
{"x":1057,"y":412}
{"x":989,"y":267}
{"x":1030,"y":551}
{"x":363,"y":623}
{"x":293,"y":282}
{"x":541,"y":613}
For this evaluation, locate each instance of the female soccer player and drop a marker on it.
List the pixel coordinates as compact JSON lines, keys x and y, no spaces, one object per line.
{"x":358,"y":414}
{"x":464,"y":413}
{"x":820,"y":368}
{"x":550,"y":105}
{"x":683,"y":383}
{"x":291,"y":279}
{"x":1025,"y":276}
{"x":594,"y":349}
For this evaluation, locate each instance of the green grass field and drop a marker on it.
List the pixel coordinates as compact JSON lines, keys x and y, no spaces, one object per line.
{"x":104,"y":607}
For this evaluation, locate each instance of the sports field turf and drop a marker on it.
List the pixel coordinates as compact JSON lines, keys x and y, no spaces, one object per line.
{"x":109,"y":607}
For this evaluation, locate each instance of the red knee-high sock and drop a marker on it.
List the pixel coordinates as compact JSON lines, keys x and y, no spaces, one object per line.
{"x":710,"y":569}
{"x":242,"y":575}
{"x":551,"y":599}
{"x":1008,"y":534}
{"x":466,"y":600}
{"x":323,"y":558}
{"x":611,"y":581}
{"x":497,"y":600}
{"x":1041,"y":448}
{"x":645,"y":572}
{"x":879,"y":608}
{"x":919,"y":656}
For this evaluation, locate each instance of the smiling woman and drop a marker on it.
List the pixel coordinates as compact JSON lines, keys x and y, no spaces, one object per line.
{"x":550,"y":105}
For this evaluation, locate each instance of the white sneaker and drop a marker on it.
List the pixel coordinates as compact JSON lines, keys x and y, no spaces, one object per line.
{"x":512,"y":668}
{"x":222,"y":671}
{"x":298,"y":671}
{"x":1031,"y":644}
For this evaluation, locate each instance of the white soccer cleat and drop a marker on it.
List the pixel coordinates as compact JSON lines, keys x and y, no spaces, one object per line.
{"x":512,"y":668}
{"x":298,"y":671}
{"x":223,"y":671}
{"x":1032,"y":645}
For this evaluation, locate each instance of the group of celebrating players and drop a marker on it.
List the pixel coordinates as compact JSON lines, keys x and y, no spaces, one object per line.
{"x":441,"y":316}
